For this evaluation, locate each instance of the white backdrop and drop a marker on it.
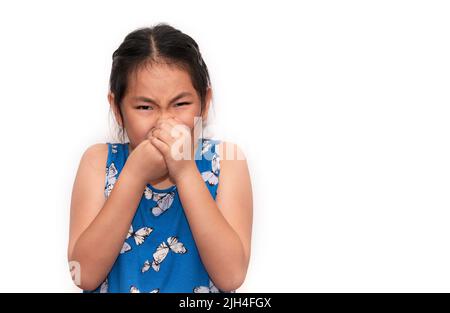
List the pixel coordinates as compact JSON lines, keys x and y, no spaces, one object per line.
{"x":342,"y":108}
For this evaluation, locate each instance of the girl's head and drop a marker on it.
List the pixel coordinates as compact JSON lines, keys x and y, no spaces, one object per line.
{"x":157,"y":73}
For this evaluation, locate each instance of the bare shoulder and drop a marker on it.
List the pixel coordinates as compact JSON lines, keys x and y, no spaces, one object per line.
{"x":234,"y":170}
{"x":229,"y":151}
{"x":233,"y":165}
{"x":96,"y":156}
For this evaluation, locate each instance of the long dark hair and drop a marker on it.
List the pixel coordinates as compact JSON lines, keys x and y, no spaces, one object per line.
{"x":160,"y":43}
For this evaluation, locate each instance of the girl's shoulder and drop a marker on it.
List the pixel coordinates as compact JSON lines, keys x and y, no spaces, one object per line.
{"x":96,"y":155}
{"x":229,"y":151}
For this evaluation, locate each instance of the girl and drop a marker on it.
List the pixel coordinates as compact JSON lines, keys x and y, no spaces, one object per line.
{"x":174,"y":211}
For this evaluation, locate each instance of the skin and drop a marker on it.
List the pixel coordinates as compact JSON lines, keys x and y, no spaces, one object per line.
{"x":221,"y":228}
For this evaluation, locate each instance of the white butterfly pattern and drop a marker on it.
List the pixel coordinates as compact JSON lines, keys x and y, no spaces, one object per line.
{"x":108,"y":190}
{"x":163,"y":200}
{"x":212,"y":176}
{"x":161,"y":253}
{"x":163,"y":204}
{"x":139,"y":237}
{"x":104,"y":286}
{"x":205,"y":289}
{"x":134,"y":289}
{"x":159,"y":256}
{"x":125,"y":247}
{"x":206,"y":146}
{"x":111,"y":178}
{"x":148,"y":193}
{"x":114,"y":148}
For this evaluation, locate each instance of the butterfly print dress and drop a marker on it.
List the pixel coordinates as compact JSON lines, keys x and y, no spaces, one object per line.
{"x":159,"y":252}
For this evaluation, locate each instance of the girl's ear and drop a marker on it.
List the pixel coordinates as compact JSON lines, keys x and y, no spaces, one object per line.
{"x":208,"y":98}
{"x":115,"y":108}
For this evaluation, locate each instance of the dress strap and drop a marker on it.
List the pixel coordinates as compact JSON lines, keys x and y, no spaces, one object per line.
{"x":114,"y":164}
{"x":209,"y":166}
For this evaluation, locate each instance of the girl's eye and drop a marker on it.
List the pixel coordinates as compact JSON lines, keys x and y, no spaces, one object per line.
{"x":182,"y":103}
{"x":145,"y":107}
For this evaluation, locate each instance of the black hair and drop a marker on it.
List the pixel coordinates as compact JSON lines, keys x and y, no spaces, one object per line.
{"x":160,"y":43}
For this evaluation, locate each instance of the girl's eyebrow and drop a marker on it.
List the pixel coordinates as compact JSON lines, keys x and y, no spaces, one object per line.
{"x":149,"y":100}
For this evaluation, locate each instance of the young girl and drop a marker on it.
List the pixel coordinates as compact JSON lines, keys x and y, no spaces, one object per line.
{"x":174,"y":211}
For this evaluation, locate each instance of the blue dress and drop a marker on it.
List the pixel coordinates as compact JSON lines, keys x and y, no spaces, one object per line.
{"x":159,"y":253}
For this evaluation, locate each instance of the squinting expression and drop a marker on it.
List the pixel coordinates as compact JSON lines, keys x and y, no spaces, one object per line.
{"x":156,"y":93}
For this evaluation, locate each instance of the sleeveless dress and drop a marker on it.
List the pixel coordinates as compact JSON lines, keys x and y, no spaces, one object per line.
{"x":159,"y":253}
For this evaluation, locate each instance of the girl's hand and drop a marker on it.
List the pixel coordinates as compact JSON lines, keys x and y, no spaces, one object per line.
{"x":146,"y":162}
{"x":173,"y":139}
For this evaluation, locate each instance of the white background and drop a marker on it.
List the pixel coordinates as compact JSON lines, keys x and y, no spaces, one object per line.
{"x":342,"y":108}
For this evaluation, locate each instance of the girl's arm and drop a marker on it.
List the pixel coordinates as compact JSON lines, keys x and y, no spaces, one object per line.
{"x":97,"y":227}
{"x":222,"y":228}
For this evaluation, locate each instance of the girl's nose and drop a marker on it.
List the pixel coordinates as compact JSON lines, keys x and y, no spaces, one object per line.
{"x":164,"y":116}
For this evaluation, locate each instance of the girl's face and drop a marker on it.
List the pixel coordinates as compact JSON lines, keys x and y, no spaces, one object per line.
{"x":158,"y":92}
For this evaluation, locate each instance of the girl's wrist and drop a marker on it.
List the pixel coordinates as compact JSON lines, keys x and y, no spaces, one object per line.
{"x":137,"y":176}
{"x":186,"y":172}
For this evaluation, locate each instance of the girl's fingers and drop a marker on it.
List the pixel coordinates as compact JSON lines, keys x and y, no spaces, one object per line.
{"x":166,"y":133}
{"x":166,"y":127}
{"x":163,"y":135}
{"x":150,"y":133}
{"x":175,"y":132}
{"x":160,"y":145}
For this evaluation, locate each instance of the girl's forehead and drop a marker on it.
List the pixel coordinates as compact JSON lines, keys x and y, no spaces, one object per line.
{"x":159,"y":79}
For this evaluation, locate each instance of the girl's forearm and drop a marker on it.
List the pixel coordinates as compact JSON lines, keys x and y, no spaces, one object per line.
{"x":99,"y":245}
{"x":220,"y":247}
